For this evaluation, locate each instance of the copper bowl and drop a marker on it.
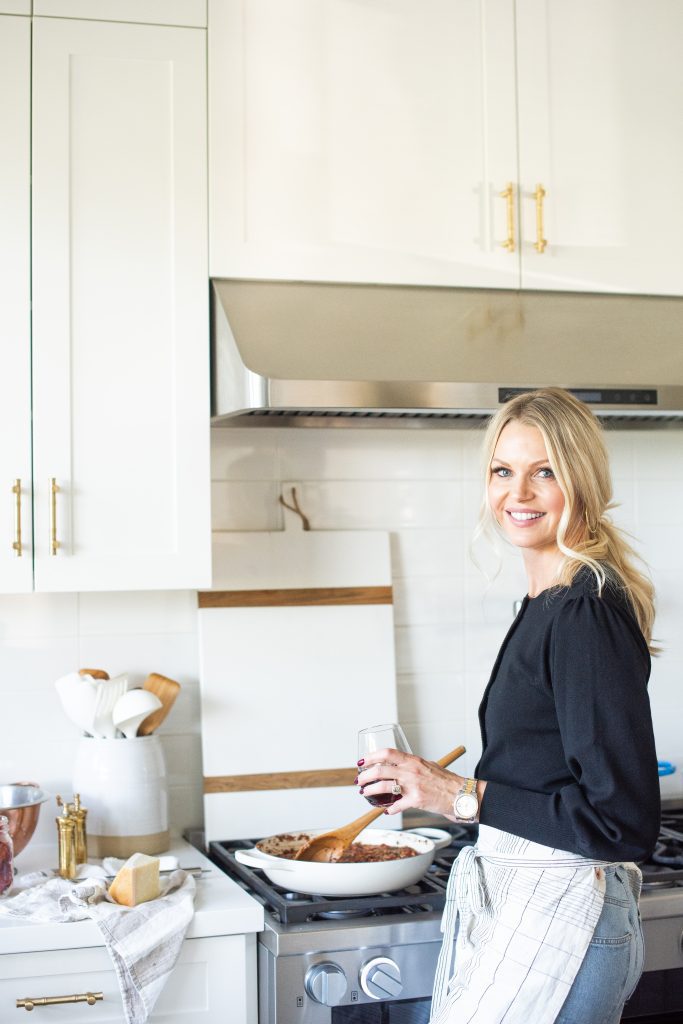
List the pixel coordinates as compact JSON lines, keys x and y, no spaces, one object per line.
{"x":20,"y":803}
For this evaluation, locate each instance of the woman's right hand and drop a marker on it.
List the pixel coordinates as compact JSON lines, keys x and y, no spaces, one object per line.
{"x":424,"y":784}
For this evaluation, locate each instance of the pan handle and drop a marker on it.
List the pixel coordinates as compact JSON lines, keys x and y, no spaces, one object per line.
{"x":255,"y":859}
{"x":439,"y":836}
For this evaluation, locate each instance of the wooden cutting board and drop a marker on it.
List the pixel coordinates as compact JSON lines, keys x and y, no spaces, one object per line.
{"x":296,"y":655}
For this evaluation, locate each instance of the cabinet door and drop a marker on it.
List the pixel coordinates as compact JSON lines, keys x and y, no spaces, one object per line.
{"x":16,"y":571}
{"x":120,"y":307}
{"x":600,"y":100}
{"x":352,"y":141}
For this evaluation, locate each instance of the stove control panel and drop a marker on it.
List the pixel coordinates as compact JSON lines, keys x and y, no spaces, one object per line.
{"x":380,"y":978}
{"x":326,"y":983}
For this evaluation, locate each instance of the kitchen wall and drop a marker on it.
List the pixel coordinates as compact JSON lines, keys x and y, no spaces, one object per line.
{"x":420,"y":485}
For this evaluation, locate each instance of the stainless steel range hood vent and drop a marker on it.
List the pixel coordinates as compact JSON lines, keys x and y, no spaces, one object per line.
{"x":317,"y":354}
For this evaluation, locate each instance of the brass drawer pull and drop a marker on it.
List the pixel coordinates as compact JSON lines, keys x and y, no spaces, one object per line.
{"x":508,"y":194}
{"x":54,"y":543}
{"x":539,"y":196}
{"x":16,"y":490}
{"x":84,"y":997}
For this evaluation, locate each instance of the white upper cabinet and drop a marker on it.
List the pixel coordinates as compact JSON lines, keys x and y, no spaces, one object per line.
{"x":16,"y":568}
{"x":120,"y":307}
{"x":349,"y":142}
{"x":372,"y":142}
{"x":600,"y":127}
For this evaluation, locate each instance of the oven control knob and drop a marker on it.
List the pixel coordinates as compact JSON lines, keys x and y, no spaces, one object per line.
{"x":326,"y":984}
{"x":381,"y":977}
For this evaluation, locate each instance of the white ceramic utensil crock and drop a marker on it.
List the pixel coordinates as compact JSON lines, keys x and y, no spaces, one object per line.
{"x":122,"y":783}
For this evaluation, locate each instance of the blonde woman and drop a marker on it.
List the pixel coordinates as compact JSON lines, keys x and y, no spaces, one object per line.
{"x":541,"y":922}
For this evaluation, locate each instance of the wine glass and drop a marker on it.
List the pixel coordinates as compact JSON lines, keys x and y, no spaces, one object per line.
{"x":377,"y":737}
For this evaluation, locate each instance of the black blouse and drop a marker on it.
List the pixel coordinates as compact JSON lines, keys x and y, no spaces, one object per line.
{"x":568,"y":747}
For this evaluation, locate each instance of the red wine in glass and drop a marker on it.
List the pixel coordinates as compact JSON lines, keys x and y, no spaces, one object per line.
{"x":382,"y":799}
{"x":378,"y":737}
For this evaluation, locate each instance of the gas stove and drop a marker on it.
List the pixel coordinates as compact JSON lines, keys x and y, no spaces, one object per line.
{"x":371,"y":959}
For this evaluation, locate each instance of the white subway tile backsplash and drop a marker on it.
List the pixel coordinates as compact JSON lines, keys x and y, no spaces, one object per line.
{"x":138,"y":654}
{"x":442,"y":691}
{"x":380,"y":504}
{"x":238,"y":454}
{"x":660,"y":503}
{"x":436,"y":647}
{"x":657,"y":456}
{"x":370,"y":455}
{"x":434,"y":552}
{"x":428,"y":599}
{"x":171,"y":611}
{"x":246,"y":505}
{"x":31,"y":665}
{"x":621,"y":448}
{"x":31,"y":615}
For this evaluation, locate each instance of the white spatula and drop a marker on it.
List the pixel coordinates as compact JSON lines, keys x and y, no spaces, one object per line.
{"x":108,"y":692}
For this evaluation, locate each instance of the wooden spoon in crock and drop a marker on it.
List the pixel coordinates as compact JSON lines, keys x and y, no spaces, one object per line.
{"x":331,"y":845}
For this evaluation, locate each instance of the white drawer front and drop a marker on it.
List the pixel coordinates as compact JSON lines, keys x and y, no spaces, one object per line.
{"x":212,"y":976}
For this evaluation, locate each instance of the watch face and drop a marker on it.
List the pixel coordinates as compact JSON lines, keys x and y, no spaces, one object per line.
{"x":466,"y":805}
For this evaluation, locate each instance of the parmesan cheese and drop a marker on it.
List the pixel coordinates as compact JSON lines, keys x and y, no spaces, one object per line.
{"x":137,"y":881}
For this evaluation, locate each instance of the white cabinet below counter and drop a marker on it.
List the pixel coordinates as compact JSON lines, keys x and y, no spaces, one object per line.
{"x":214,"y":979}
{"x":209,"y":977}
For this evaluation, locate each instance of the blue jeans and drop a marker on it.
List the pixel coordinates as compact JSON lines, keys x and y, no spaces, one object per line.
{"x":614,"y":961}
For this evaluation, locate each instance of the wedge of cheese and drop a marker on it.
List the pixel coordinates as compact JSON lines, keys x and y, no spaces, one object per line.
{"x":137,"y":881}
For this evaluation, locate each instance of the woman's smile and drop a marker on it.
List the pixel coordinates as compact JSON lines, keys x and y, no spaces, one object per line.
{"x":520,"y":517}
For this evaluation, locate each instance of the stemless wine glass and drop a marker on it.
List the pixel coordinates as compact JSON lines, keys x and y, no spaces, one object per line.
{"x":377,"y":737}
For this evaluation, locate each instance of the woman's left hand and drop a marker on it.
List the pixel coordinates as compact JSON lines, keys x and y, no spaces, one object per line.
{"x":424,"y":785}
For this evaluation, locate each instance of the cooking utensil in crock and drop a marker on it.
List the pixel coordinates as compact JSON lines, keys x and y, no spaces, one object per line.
{"x":167,"y":691}
{"x":20,"y":803}
{"x":94,"y":673}
{"x":354,"y":879}
{"x":78,"y":695}
{"x":132,"y":708}
{"x":329,"y":846}
{"x":108,"y":692}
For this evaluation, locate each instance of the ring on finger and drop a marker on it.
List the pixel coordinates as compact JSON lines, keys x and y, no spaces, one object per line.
{"x":396,"y":789}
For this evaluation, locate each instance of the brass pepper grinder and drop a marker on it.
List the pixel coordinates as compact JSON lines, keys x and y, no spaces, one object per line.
{"x":66,"y":835}
{"x":79,"y":814}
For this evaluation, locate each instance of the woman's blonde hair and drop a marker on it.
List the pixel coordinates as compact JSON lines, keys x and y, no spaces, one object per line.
{"x":586,"y":535}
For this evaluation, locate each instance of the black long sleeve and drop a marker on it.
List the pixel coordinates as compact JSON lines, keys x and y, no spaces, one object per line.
{"x":568,"y":747}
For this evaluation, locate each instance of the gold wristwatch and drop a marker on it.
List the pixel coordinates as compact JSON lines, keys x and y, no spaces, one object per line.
{"x":466,"y":803}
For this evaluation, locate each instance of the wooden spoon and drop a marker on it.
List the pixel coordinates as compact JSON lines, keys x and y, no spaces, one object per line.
{"x":331,"y":845}
{"x":94,"y":673}
{"x":167,"y":691}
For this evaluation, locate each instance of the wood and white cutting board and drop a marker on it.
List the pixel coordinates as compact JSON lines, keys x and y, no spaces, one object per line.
{"x":296,"y":655}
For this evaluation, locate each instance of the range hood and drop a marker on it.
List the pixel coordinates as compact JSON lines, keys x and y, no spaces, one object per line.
{"x":320,"y":354}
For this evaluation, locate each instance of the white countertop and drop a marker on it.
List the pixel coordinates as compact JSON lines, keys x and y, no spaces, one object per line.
{"x":221,"y":907}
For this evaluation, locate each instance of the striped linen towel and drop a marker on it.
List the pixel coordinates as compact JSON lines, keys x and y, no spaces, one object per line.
{"x":516,"y":927}
{"x":143,"y":942}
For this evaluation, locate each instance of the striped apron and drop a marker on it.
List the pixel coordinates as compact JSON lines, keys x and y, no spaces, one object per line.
{"x":518,"y":920}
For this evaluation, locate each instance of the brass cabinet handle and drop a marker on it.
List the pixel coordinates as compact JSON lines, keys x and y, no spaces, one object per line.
{"x":16,"y":490}
{"x":539,"y":196}
{"x":54,"y":543}
{"x":508,"y":194}
{"x":85,"y":997}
